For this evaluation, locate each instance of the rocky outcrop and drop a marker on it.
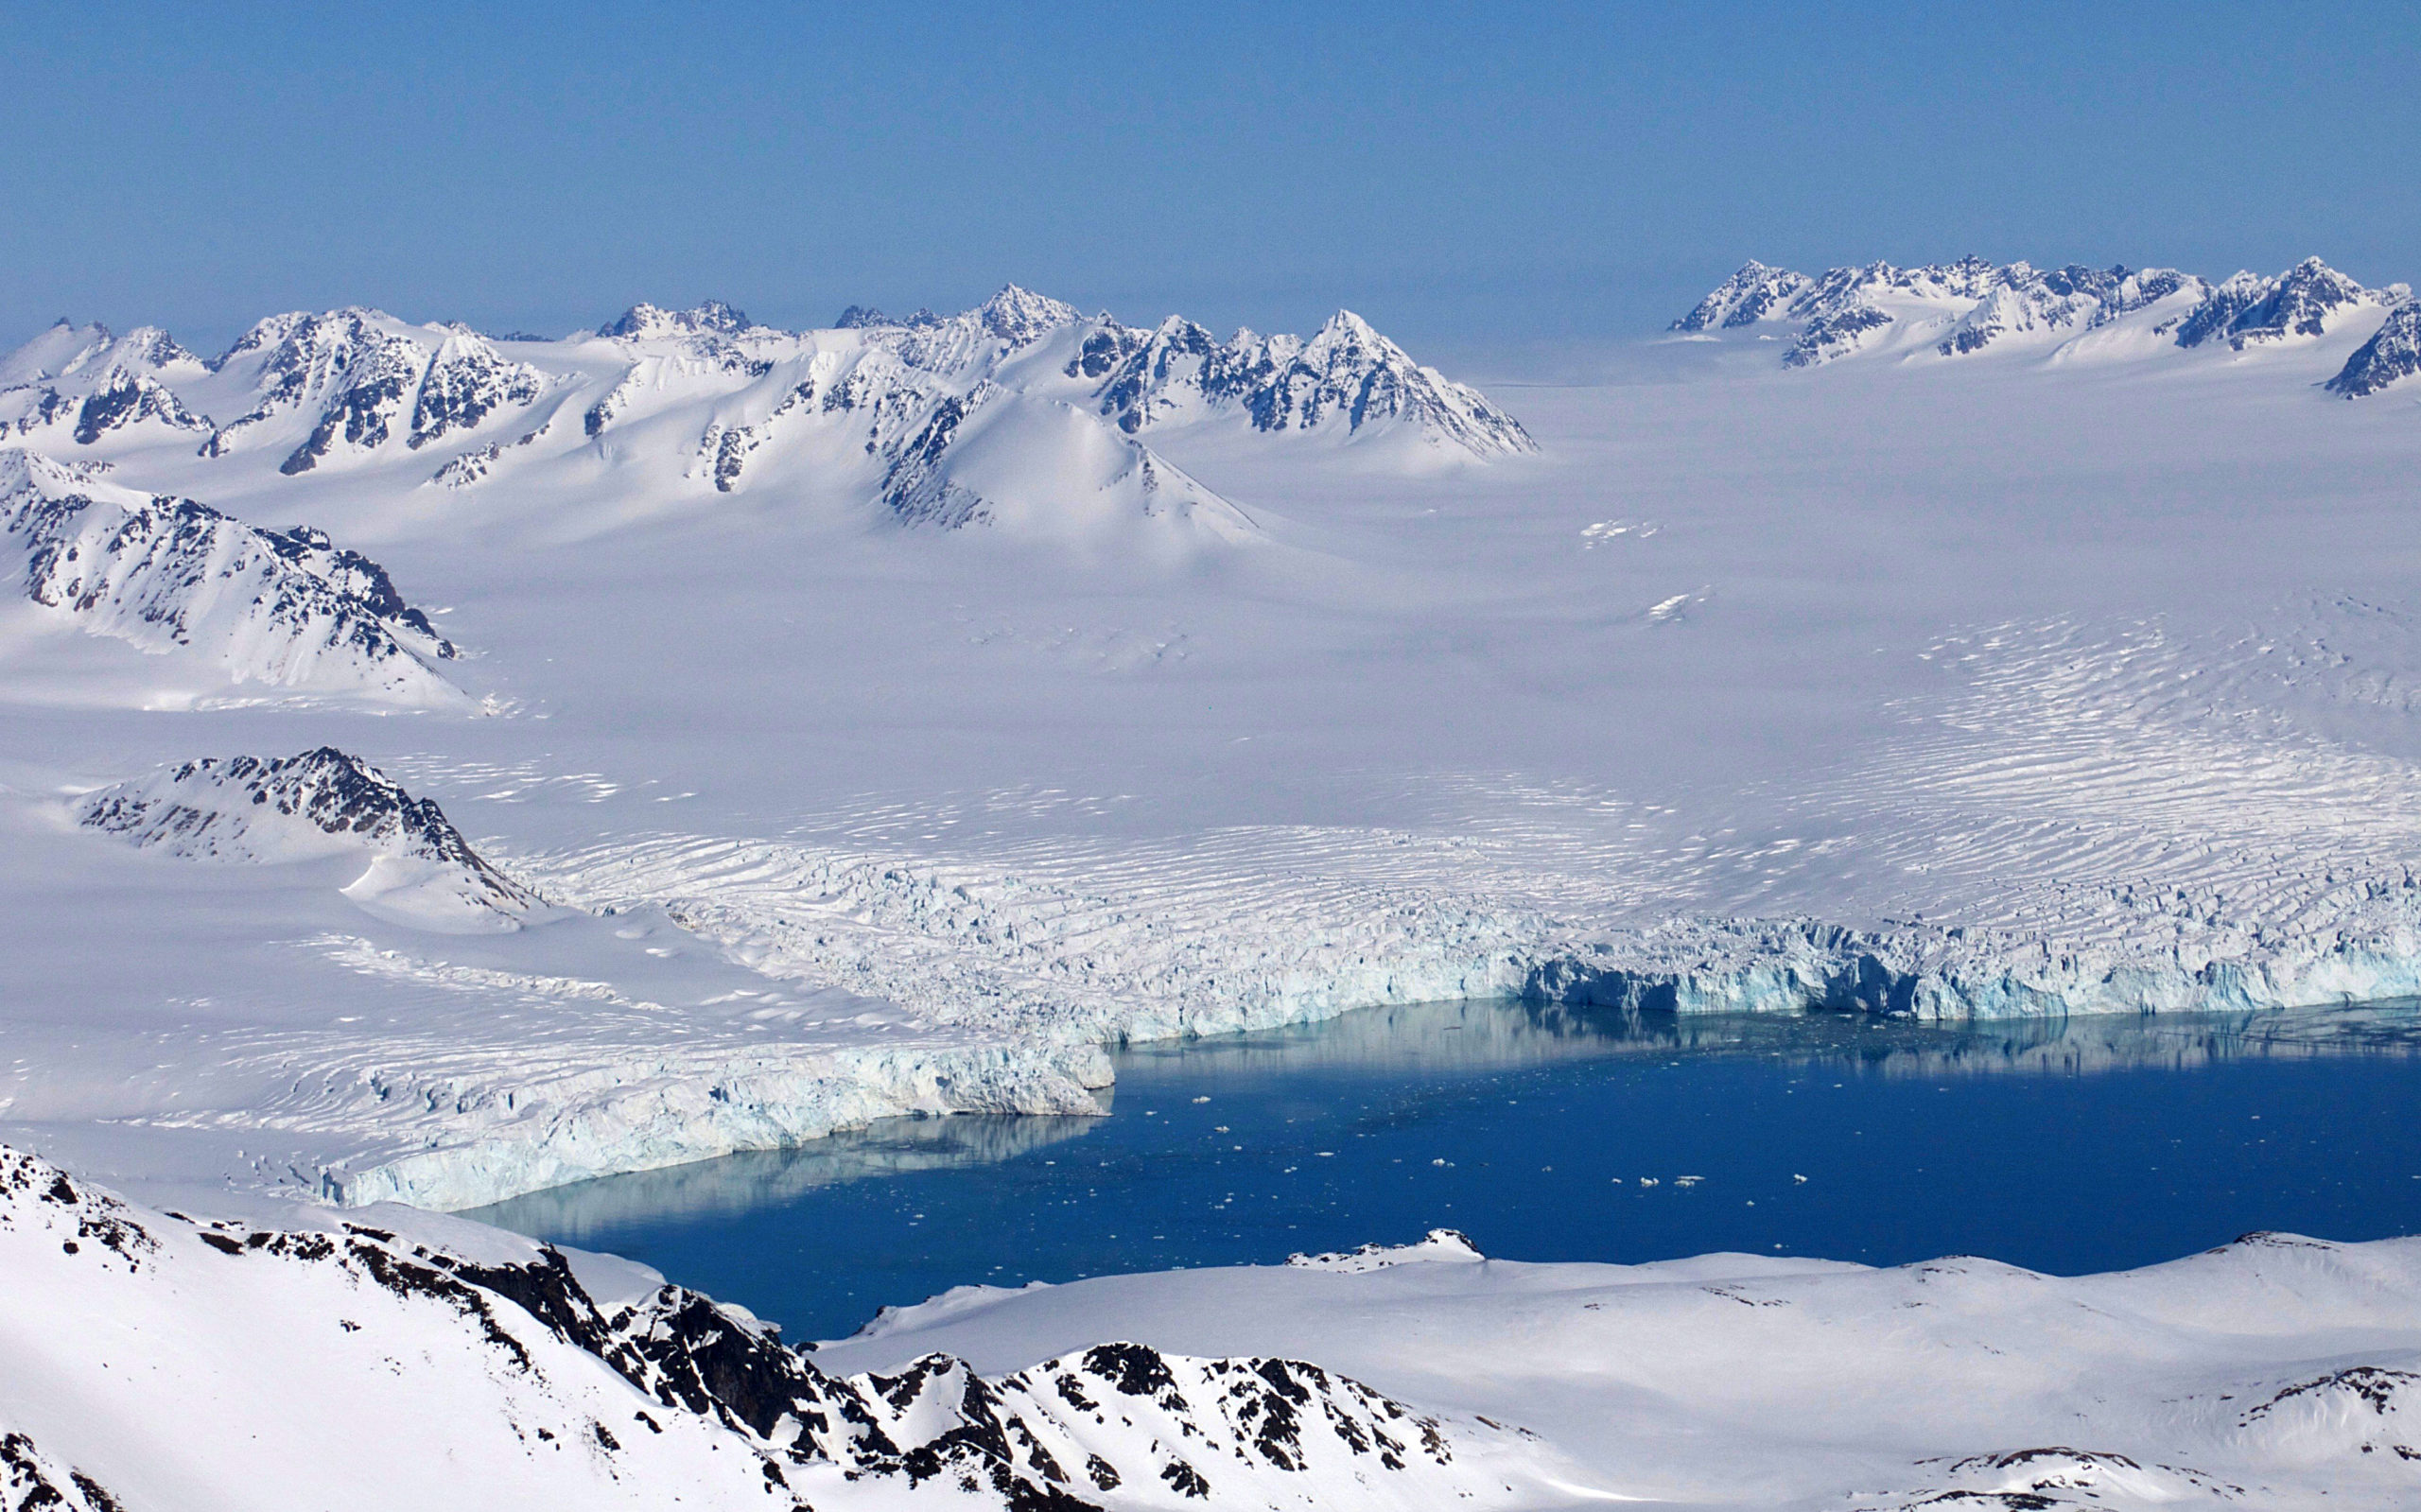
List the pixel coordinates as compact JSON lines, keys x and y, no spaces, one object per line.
{"x":647,"y":323}
{"x":254,"y":809}
{"x":364,"y":381}
{"x":1754,"y":293}
{"x":1347,"y":378}
{"x":2247,"y":309}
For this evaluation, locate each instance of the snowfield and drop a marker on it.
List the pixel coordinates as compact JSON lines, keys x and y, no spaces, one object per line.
{"x":284,"y":1358}
{"x":440,"y":766}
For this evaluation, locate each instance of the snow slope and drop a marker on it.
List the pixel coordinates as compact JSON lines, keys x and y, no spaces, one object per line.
{"x":286,"y":1359}
{"x":887,"y":725}
{"x":2275,"y":1372}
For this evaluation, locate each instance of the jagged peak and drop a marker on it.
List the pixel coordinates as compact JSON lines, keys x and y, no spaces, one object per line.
{"x":306,"y":328}
{"x":866,"y":317}
{"x":1020,"y":314}
{"x":152,"y":346}
{"x":706,"y":318}
{"x":23,"y":471}
{"x":1347,"y":374}
{"x":1756,"y":292}
{"x":1345,"y":325}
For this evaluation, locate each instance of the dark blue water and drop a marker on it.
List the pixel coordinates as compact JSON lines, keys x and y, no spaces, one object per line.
{"x":2070,"y":1147}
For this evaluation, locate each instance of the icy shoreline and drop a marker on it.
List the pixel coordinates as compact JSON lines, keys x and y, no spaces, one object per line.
{"x":634,"y":1118}
{"x":654,"y":1121}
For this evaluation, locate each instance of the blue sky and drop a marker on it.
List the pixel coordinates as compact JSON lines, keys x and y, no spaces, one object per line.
{"x":1461,"y":174}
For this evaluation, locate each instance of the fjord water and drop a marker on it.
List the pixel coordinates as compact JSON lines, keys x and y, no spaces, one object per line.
{"x":1547,"y":1134}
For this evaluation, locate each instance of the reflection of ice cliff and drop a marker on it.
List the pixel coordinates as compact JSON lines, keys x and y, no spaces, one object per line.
{"x":764,"y":1179}
{"x":1484,"y":1038}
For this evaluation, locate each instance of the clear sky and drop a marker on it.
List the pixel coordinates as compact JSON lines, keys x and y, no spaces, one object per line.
{"x":1461,"y":174}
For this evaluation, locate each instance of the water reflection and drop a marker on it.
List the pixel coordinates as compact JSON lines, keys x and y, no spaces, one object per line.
{"x":1486,"y":1038}
{"x":590,"y":1212}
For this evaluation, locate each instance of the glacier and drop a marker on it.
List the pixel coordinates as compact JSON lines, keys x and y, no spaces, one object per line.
{"x":832,"y":725}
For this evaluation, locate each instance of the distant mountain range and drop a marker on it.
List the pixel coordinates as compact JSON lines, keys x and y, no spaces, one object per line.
{"x":927,"y":408}
{"x":1959,"y":308}
{"x":1020,"y":413}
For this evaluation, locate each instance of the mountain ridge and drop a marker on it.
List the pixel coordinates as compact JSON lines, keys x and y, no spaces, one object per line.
{"x":1960,"y":308}
{"x":978,"y":418}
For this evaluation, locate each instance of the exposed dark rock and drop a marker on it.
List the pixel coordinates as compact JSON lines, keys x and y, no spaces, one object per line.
{"x":2392,"y":355}
{"x":202,"y":805}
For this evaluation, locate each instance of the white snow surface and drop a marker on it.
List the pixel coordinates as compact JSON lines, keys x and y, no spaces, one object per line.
{"x":277,"y":1356}
{"x":885,"y":726}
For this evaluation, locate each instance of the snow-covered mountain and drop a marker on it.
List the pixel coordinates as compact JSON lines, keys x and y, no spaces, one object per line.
{"x":288,"y":608}
{"x":319,"y":803}
{"x":1021,"y":412}
{"x":1955,"y":309}
{"x":93,"y":384}
{"x":1346,"y":374}
{"x":303,"y":1366}
{"x":353,"y":380}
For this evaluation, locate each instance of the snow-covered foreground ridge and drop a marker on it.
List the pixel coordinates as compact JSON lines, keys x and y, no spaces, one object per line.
{"x":1957,"y":309}
{"x":164,"y":1364}
{"x":161,"y":1363}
